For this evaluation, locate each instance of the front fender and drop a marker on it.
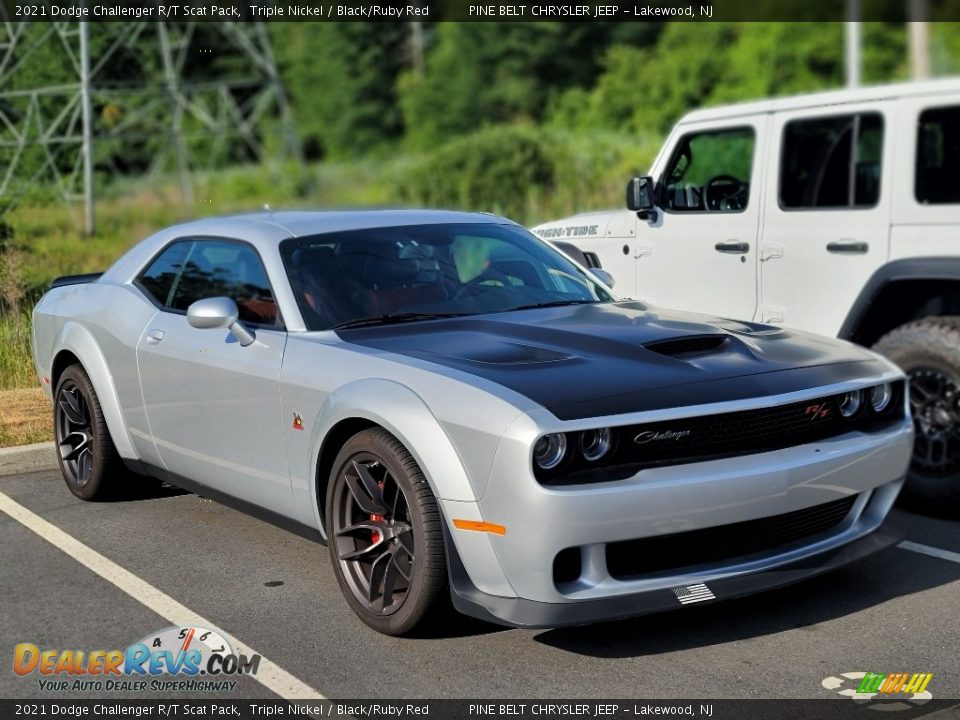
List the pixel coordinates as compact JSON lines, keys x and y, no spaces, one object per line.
{"x":79,"y":341}
{"x":403,"y":413}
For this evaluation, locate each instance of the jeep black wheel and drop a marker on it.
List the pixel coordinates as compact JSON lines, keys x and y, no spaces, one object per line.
{"x":928,"y":351}
{"x":88,"y":460}
{"x":384,"y":534}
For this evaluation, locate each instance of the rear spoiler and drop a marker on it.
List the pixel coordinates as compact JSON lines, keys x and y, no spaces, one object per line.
{"x":74,"y":280}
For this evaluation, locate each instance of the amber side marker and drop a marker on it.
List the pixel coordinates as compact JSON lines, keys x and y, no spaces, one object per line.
{"x":479,"y":526}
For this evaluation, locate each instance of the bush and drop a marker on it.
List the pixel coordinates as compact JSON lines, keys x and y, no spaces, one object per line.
{"x":500,"y":169}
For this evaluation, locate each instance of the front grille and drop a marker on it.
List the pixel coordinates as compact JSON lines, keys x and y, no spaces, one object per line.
{"x":711,"y":437}
{"x":717,"y":545}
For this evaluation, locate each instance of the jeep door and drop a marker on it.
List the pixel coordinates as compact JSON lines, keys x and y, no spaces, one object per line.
{"x":213,"y":406}
{"x":700,"y":252}
{"x":827,"y":213}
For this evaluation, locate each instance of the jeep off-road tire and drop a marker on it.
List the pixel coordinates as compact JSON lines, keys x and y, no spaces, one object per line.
{"x":384,"y":534}
{"x":928,"y":351}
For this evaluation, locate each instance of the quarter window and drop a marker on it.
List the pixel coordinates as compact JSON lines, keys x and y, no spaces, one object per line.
{"x":710,"y":171}
{"x":832,"y":162}
{"x":191,"y":270}
{"x":937,"y":178}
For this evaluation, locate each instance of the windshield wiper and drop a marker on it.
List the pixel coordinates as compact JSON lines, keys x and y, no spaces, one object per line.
{"x":393,"y":318}
{"x":552,"y":303}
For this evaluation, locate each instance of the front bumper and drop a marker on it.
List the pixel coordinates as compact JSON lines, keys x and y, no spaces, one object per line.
{"x":519,"y":612}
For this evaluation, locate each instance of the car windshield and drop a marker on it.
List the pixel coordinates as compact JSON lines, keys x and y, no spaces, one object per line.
{"x":417,"y":272}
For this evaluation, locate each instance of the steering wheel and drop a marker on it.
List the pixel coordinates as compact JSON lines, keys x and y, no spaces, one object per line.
{"x":490,"y":274}
{"x":733,"y":195}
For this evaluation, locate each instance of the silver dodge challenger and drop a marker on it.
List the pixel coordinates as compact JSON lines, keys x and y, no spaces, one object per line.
{"x":462,"y":412}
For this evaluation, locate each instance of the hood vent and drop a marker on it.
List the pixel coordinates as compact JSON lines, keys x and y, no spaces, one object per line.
{"x":688,"y":345}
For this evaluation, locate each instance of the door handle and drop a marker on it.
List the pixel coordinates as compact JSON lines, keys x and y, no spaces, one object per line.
{"x":155,"y":336}
{"x":856,"y":247}
{"x":732,"y":247}
{"x":643,"y":250}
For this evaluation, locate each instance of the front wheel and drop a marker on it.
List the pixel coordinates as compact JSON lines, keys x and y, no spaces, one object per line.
{"x":928,"y":351}
{"x":384,"y":533}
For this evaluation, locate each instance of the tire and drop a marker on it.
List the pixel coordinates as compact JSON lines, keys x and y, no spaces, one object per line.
{"x":928,"y":351}
{"x":90,"y":465}
{"x":384,"y":533}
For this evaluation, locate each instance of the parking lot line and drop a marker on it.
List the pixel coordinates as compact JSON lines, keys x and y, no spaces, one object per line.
{"x":269,"y":674}
{"x":931,"y":551}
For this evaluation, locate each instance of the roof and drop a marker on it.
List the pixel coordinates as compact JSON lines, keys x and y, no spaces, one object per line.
{"x":831,"y":97}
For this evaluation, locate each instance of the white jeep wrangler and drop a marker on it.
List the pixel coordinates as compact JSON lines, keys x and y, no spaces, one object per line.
{"x":836,"y":213}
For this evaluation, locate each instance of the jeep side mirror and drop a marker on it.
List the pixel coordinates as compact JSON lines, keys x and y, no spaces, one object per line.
{"x":640,"y":194}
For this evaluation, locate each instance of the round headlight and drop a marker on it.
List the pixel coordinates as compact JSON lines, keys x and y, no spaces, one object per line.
{"x":880,"y":397}
{"x":595,"y":443}
{"x":549,"y":450}
{"x":850,"y":403}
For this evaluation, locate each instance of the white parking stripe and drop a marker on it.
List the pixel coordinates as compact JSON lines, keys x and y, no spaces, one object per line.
{"x":931,"y":551}
{"x":269,"y":674}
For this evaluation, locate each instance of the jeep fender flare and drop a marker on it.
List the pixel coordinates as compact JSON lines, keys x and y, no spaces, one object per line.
{"x":76,"y":339}
{"x":926,"y":268}
{"x":400,"y":411}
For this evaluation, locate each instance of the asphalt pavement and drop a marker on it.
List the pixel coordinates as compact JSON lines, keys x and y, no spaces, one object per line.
{"x":275,"y":592}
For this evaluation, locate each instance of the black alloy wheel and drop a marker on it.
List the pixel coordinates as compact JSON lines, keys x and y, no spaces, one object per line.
{"x":383,"y":532}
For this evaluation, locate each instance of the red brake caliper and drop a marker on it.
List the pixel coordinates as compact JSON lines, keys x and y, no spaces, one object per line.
{"x":374,"y":535}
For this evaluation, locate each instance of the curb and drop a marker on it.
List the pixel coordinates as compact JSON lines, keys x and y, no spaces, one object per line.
{"x":27,"y":458}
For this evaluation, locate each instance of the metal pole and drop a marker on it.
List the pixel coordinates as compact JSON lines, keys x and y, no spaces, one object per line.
{"x":176,"y":108}
{"x":852,"y":37}
{"x":87,"y":112}
{"x":918,"y":39}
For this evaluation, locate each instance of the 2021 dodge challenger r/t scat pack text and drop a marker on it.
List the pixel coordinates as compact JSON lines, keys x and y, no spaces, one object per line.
{"x":456,"y":407}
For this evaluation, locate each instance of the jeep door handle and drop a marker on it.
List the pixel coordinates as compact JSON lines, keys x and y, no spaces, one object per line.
{"x":154,"y":336}
{"x":852,"y":247}
{"x":732,"y":247}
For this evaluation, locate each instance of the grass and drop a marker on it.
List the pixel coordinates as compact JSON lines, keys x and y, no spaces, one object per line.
{"x":26,"y":417}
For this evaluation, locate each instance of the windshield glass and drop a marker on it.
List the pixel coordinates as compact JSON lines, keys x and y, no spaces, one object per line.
{"x":415,"y":272}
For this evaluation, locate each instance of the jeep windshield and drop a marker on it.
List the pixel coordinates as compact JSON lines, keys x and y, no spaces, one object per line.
{"x":411,"y":273}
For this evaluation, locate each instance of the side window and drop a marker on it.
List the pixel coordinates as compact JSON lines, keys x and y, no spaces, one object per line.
{"x":710,"y":171}
{"x":191,"y":270}
{"x":937,"y":179}
{"x":831,"y":162}
{"x":161,"y":275}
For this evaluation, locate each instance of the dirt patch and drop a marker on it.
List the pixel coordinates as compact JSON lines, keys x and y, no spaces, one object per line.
{"x":25,"y":417}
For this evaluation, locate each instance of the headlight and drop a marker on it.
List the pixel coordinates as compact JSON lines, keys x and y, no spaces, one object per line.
{"x":880,"y":397}
{"x":549,"y":450}
{"x":595,"y":443}
{"x":850,"y":403}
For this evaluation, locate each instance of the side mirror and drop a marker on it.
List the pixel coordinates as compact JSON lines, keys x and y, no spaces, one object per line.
{"x":218,"y":312}
{"x":603,"y":276}
{"x":640,"y":194}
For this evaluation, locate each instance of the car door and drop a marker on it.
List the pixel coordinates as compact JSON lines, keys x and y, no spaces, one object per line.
{"x":699,"y":253}
{"x":827,"y":214}
{"x":213,"y":405}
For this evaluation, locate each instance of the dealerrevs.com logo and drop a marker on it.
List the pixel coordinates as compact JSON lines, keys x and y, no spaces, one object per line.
{"x":182,"y":652}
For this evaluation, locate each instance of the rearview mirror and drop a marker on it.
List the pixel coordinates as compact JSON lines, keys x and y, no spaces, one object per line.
{"x":640,"y":194}
{"x":219,"y":312}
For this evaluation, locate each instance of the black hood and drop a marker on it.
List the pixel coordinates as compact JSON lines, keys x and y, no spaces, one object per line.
{"x":610,"y":358}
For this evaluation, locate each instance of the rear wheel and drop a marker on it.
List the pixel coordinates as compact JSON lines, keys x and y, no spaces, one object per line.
{"x":88,"y":460}
{"x":384,"y":533}
{"x":928,"y":351}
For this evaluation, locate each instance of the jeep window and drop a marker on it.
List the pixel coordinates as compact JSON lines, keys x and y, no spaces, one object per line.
{"x":831,"y":162}
{"x":937,"y":179}
{"x":710,"y":171}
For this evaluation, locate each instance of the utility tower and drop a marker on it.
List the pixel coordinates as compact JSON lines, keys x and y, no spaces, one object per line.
{"x":129,"y":98}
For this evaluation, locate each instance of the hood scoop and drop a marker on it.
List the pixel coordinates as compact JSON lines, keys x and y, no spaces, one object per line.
{"x":691,"y":345}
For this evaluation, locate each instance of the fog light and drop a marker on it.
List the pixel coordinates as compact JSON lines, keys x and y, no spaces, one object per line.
{"x":850,"y":403}
{"x":880,"y":397}
{"x":549,"y":450}
{"x":595,"y":443}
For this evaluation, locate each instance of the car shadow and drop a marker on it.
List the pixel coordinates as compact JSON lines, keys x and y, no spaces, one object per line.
{"x":888,"y":575}
{"x":144,"y":488}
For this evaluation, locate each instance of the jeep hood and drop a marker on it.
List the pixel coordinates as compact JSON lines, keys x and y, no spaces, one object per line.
{"x":611,"y":358}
